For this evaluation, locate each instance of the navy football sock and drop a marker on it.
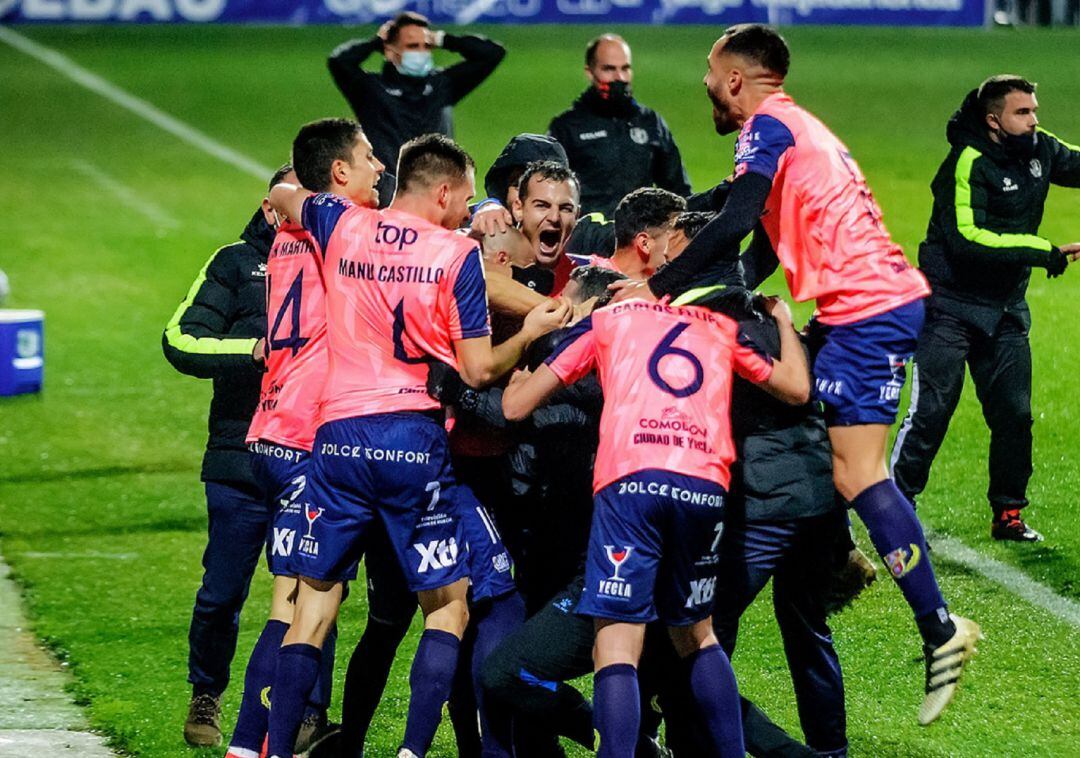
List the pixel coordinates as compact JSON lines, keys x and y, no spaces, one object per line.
{"x":898,"y":538}
{"x":494,"y":624}
{"x":365,"y":680}
{"x":617,"y":710}
{"x":712,"y":683}
{"x":319,"y":701}
{"x":429,"y":683}
{"x":297,"y":670}
{"x":259,"y":676}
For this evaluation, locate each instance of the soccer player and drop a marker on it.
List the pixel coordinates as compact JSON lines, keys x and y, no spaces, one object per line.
{"x":800,"y":182}
{"x":644,"y":222}
{"x":402,"y":288}
{"x":331,"y":156}
{"x":660,"y":481}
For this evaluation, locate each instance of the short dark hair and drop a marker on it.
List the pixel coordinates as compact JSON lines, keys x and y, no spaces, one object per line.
{"x":593,"y":281}
{"x":551,"y":171}
{"x":430,"y":159}
{"x":279,"y":176}
{"x":590,"y":49}
{"x":644,"y":209}
{"x":992,"y":92}
{"x":403,"y":19}
{"x":692,"y":222}
{"x":318,"y":145}
{"x":761,"y":44}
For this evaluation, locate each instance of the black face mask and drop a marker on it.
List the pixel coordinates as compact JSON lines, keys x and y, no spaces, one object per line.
{"x":616,"y":98}
{"x":1018,"y":145}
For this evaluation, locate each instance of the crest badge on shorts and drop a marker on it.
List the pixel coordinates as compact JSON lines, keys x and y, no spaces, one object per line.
{"x":639,"y":135}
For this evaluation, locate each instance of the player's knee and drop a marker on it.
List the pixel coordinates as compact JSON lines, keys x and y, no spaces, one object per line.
{"x":497,"y":674}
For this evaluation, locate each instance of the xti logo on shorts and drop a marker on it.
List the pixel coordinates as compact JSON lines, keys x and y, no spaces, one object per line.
{"x":834,"y":387}
{"x":436,"y":555}
{"x":283,"y":542}
{"x":308,"y":544}
{"x":701,"y":591}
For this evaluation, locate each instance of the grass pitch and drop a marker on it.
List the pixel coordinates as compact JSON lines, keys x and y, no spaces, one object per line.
{"x":101,"y":511}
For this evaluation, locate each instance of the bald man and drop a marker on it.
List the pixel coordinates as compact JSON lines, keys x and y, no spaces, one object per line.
{"x":614,"y":143}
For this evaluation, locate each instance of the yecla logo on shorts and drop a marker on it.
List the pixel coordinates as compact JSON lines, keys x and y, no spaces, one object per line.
{"x":437,"y":554}
{"x":308,"y":544}
{"x":701,"y":591}
{"x":615,"y":585}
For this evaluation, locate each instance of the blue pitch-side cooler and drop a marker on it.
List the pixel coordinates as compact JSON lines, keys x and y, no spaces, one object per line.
{"x":22,"y":351}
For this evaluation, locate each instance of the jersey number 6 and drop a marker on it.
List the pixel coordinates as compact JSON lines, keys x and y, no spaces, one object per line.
{"x":666,"y":348}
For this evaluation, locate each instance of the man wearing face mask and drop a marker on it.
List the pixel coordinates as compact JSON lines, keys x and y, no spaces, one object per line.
{"x":980,"y":247}
{"x":410,"y":96}
{"x":616,"y":144}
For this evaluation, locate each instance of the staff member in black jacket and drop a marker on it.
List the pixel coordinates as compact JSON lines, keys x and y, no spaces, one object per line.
{"x":616,"y":144}
{"x":218,"y":333}
{"x":409,"y":97}
{"x":979,"y":251}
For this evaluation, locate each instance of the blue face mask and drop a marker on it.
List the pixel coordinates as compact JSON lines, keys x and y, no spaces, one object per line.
{"x":416,"y":63}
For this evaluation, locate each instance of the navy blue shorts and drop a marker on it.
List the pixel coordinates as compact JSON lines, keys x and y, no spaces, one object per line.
{"x":653,"y":549}
{"x":490,"y":565}
{"x":859,"y":368}
{"x":281,"y":473}
{"x":391,"y":466}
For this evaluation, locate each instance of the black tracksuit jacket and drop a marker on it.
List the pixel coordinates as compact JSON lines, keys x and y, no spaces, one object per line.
{"x":211,"y":336}
{"x":615,"y":150}
{"x":982,"y":239}
{"x":394,"y":108}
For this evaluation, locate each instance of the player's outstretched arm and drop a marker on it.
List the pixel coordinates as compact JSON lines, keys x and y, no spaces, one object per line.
{"x":511,"y":297}
{"x":480,"y":364}
{"x":790,"y":378}
{"x":288,"y":200}
{"x":527,"y":392}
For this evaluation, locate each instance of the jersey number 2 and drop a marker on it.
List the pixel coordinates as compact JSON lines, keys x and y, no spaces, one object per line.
{"x":666,"y":348}
{"x":292,"y":298}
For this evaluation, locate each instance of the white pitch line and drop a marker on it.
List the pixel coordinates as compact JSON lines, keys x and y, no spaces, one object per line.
{"x":126,"y":195}
{"x":1012,"y":579}
{"x":138,"y":106}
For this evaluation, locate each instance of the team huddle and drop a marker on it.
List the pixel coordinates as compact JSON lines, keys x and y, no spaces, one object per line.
{"x":580,"y":445}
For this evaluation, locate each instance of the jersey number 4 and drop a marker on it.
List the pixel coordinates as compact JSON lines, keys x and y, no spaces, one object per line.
{"x":667,"y":348}
{"x":294,"y":341}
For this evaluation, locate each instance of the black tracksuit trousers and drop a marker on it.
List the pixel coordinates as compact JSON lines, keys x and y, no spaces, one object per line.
{"x":1000,"y":365}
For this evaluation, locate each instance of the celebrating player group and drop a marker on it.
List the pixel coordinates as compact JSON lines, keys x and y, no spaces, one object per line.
{"x":583,"y":445}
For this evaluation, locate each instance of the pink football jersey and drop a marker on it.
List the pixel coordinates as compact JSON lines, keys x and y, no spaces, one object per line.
{"x":399,"y":292}
{"x":822,"y":219}
{"x":296,"y":363}
{"x":666,"y":374}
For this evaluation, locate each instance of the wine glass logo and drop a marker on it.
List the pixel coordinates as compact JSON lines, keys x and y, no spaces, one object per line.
{"x":617,"y":558}
{"x":312,"y":515}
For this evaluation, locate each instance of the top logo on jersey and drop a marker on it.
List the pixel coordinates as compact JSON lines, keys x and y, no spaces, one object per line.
{"x":639,"y":135}
{"x":395,"y":236}
{"x":1036,"y":168}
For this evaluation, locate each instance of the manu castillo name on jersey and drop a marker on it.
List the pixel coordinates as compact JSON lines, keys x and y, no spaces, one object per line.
{"x":389,"y":273}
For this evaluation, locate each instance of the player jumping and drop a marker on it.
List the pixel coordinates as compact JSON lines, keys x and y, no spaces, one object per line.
{"x":799,"y":181}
